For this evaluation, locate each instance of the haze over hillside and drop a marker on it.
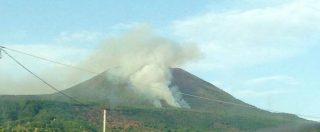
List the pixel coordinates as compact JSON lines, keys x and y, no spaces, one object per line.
{"x":201,"y":65}
{"x":136,"y":112}
{"x":263,"y":52}
{"x":141,"y":92}
{"x":104,"y":89}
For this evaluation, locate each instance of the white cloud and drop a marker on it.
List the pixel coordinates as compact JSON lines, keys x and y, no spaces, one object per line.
{"x":126,"y":26}
{"x":81,"y":37}
{"x":241,"y":38}
{"x":276,"y":78}
{"x":257,"y":94}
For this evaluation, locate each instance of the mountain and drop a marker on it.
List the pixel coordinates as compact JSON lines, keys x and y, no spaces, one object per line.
{"x":207,"y":112}
{"x":97,"y":90}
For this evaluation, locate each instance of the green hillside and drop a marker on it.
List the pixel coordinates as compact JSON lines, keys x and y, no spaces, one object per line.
{"x":101,"y":90}
{"x":57,"y":113}
{"x":58,"y":116}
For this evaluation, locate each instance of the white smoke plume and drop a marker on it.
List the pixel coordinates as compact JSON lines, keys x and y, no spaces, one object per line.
{"x":143,"y":62}
{"x":138,"y":65}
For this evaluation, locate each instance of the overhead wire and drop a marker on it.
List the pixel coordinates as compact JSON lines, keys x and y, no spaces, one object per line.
{"x":246,"y":106}
{"x":49,"y":60}
{"x":215,"y":100}
{"x":78,"y":68}
{"x":42,"y":80}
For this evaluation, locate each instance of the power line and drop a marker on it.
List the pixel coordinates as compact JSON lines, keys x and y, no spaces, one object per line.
{"x":216,"y":100}
{"x":49,"y":60}
{"x":45,"y":82}
{"x":82,"y":69}
{"x":247,"y":106}
{"x":310,"y":116}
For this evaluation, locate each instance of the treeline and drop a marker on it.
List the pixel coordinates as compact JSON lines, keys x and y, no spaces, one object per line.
{"x":40,"y":116}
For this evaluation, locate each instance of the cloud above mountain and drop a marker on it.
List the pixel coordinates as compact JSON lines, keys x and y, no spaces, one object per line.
{"x":245,"y":37}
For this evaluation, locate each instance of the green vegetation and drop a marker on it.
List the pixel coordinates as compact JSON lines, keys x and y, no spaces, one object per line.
{"x":55,"y":113}
{"x":36,"y":115}
{"x":30,"y":115}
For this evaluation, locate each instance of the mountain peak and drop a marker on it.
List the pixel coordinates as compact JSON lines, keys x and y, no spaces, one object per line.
{"x":100,"y":90}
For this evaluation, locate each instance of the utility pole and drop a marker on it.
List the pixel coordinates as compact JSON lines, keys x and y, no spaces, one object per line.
{"x":104,"y":120}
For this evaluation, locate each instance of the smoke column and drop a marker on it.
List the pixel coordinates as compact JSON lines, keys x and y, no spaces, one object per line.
{"x":142,"y":61}
{"x":137,"y":62}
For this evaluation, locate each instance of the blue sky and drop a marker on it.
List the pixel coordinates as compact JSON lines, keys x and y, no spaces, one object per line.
{"x":264,"y":52}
